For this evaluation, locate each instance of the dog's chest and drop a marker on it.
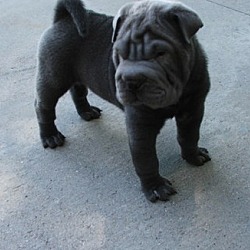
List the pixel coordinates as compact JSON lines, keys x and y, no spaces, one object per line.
{"x":169,"y":112}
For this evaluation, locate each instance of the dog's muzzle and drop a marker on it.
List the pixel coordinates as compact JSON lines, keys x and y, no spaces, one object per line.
{"x":132,"y":79}
{"x":140,"y":82}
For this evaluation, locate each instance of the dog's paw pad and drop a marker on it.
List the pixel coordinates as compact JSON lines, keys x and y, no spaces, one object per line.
{"x":91,"y":114}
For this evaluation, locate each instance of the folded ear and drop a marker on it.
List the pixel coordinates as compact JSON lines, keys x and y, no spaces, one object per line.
{"x":116,"y":26}
{"x":188,"y":21}
{"x":118,"y":19}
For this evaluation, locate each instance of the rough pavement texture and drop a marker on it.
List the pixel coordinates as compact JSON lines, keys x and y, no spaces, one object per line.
{"x":86,"y":195}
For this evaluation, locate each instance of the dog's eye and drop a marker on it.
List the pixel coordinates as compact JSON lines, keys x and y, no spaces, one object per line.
{"x":160,"y":53}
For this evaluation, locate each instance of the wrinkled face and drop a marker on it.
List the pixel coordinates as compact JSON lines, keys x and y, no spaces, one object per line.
{"x":151,"y":54}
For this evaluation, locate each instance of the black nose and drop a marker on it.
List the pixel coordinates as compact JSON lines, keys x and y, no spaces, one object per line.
{"x":133,"y":85}
{"x":133,"y":82}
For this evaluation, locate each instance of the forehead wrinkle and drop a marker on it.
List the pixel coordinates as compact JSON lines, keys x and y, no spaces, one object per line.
{"x":139,"y":27}
{"x":144,"y":16}
{"x":141,"y":18}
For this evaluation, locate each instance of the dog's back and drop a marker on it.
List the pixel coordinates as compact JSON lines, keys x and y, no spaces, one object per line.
{"x":95,"y":65}
{"x":71,"y":45}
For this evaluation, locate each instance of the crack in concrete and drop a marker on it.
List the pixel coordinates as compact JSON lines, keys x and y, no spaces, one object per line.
{"x":16,"y":70}
{"x":227,"y":7}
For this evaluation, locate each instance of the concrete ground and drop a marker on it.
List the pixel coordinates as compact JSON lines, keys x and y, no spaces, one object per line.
{"x":86,"y":195}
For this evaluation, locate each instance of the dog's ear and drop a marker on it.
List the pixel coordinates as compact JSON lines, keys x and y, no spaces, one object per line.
{"x":118,"y":20}
{"x":116,"y":27}
{"x":187,"y":20}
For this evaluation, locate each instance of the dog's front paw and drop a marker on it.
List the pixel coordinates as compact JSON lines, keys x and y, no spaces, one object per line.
{"x":199,"y":158}
{"x":91,"y":114}
{"x":50,"y":136}
{"x":161,"y":192}
{"x":53,"y":141}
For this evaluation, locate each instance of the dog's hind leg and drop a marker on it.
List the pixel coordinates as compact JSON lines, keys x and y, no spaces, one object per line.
{"x":48,"y":91}
{"x":79,"y":95}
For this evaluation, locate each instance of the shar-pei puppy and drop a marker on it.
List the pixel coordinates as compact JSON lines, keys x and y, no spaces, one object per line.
{"x":146,"y":60}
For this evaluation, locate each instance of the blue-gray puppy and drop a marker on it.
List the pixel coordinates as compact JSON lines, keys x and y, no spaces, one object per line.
{"x":146,"y":60}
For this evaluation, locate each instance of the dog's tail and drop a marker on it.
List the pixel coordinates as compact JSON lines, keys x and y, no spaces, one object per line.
{"x":75,"y":9}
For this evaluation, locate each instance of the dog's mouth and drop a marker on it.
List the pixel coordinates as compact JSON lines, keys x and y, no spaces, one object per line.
{"x":148,"y":94}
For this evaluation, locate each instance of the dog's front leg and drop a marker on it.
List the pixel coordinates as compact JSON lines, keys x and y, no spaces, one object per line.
{"x":188,"y":126}
{"x":143,"y":128}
